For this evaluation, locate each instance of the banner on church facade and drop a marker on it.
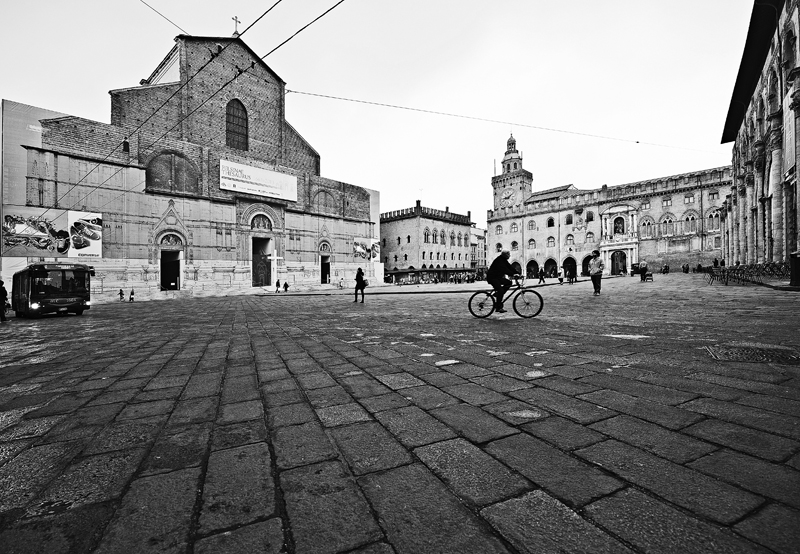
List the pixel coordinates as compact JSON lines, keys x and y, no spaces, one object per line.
{"x":367,"y":249}
{"x":255,"y":180}
{"x":51,"y":233}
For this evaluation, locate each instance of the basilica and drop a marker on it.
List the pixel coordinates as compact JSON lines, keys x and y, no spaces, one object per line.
{"x":198,"y":184}
{"x":672,"y":221}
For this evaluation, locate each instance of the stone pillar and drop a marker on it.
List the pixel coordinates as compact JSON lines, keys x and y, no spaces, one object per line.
{"x":759,"y":164}
{"x":794,"y":105}
{"x":776,"y":183}
{"x":749,"y":186}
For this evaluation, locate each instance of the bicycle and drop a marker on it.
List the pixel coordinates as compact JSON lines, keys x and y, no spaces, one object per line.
{"x":527,"y":302}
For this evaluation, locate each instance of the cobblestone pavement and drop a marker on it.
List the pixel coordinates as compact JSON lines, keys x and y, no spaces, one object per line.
{"x":657,"y":417}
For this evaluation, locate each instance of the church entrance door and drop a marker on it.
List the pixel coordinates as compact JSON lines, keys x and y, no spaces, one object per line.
{"x":261,"y":264}
{"x":619,"y":263}
{"x":325,"y":269}
{"x":170,"y":270}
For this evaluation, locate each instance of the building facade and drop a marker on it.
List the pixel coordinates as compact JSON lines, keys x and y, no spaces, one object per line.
{"x":478,"y":252}
{"x":199,"y":184}
{"x":760,"y":216}
{"x":667,"y":221}
{"x":425,"y":244}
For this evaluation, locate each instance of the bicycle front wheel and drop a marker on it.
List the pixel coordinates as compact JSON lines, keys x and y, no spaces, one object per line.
{"x":481,"y":304}
{"x":528,"y":303}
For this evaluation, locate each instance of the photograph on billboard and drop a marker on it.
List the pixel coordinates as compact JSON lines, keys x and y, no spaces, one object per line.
{"x":51,"y":233}
{"x":254,"y":180}
{"x":367,"y":249}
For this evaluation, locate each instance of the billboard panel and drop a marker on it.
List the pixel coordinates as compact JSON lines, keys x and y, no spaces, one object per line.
{"x":367,"y":249}
{"x":51,"y":233}
{"x":254,"y":180}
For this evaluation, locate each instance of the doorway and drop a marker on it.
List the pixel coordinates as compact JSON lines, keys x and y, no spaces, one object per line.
{"x":570,"y":266}
{"x":262,"y":270}
{"x":550,"y":267}
{"x":170,"y":270}
{"x":325,"y":269}
{"x":532,"y":270}
{"x":619,"y":263}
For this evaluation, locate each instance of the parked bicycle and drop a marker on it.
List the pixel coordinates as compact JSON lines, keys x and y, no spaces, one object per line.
{"x":527,"y":302}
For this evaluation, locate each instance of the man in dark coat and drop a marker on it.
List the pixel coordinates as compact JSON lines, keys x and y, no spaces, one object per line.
{"x":497,"y":278}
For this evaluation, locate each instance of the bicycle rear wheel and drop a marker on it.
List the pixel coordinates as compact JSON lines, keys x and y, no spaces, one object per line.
{"x":528,"y":303}
{"x":481,"y":304}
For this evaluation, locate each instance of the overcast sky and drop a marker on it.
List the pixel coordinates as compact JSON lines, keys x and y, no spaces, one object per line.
{"x":655,"y":71}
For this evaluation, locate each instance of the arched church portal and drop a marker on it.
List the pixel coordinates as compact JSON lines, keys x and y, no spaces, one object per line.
{"x":171,"y":260}
{"x":532,"y":270}
{"x":619,"y":263}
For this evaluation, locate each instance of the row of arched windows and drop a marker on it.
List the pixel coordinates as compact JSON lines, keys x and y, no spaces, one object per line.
{"x":669,"y":225}
{"x":439,"y":237}
{"x":569,"y":240}
{"x":568,"y":220}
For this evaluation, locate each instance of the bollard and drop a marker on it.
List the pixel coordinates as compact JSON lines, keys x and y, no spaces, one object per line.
{"x":794,"y":266}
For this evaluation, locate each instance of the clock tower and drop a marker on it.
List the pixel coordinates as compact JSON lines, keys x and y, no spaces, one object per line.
{"x":514,"y":184}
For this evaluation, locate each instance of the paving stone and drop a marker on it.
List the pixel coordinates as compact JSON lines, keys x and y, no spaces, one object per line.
{"x":693,"y":386}
{"x":368,"y":447}
{"x":475,"y":394}
{"x":265,"y":537}
{"x":290,"y":414}
{"x":185,"y":448}
{"x":515,"y":412}
{"x":363,"y":386}
{"x":397,"y":381}
{"x":673,"y":446}
{"x":419,"y":514}
{"x":114,"y":396}
{"x":146,"y":409}
{"x":172,"y":393}
{"x":794,"y":461}
{"x":132,"y":433}
{"x":563,"y":476}
{"x":470,"y":370}
{"x":30,"y":471}
{"x":198,"y":410}
{"x":375,"y":548}
{"x":299,"y":445}
{"x":240,"y":411}
{"x":562,"y":432}
{"x":384,"y":402}
{"x":667,"y":416}
{"x":780,"y":405}
{"x":747,"y":384}
{"x":683,"y":486}
{"x":275,"y":399}
{"x":765,"y":478}
{"x":28,"y":428}
{"x":153,"y":516}
{"x":413,"y":427}
{"x":749,"y":417}
{"x":536,"y":523}
{"x":88,"y":480}
{"x":500,"y":383}
{"x":207,"y":384}
{"x":651,"y":526}
{"x":239,"y":389}
{"x":744,"y":439}
{"x":514,"y":371}
{"x":167,"y":382}
{"x":578,"y":410}
{"x":328,"y":396}
{"x":442,"y":379}
{"x":570,"y":387}
{"x":238,"y":434}
{"x":471,"y":473}
{"x":427,"y":397}
{"x":280,"y":385}
{"x":342,"y":415}
{"x":10,"y":449}
{"x":64,"y":404}
{"x":315,"y":380}
{"x":473,"y":423}
{"x":238,"y":487}
{"x":273,"y":375}
{"x":632,"y":387}
{"x":776,"y":527}
{"x":326,"y":509}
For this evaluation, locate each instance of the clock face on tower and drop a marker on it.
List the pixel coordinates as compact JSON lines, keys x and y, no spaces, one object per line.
{"x":507,"y":198}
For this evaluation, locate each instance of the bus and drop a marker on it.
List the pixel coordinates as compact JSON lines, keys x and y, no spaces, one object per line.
{"x":44,"y":288}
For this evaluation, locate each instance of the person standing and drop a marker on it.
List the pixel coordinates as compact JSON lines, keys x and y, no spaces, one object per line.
{"x":496,"y":277}
{"x":3,"y":300}
{"x":560,"y":276}
{"x":277,"y":285}
{"x":361,"y":284}
{"x":541,"y":276}
{"x":286,"y":286}
{"x":596,"y":268}
{"x":642,"y":270}
{"x":121,"y":296}
{"x":131,"y":297}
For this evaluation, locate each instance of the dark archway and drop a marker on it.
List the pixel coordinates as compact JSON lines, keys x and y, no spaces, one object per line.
{"x":517,"y":268}
{"x":570,"y":266}
{"x":532,"y":270}
{"x":619,"y":263}
{"x":550,"y":267}
{"x":585,"y":266}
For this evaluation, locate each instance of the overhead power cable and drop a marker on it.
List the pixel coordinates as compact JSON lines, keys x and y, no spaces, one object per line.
{"x":489,"y":120}
{"x":164,"y":16}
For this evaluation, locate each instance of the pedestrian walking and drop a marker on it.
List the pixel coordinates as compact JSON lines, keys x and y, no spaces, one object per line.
{"x":541,"y":276}
{"x":3,"y":300}
{"x":596,"y":268}
{"x":361,"y":284}
{"x":130,"y":299}
{"x":286,"y":286}
{"x":642,"y":270}
{"x":560,"y":276}
{"x":277,"y":285}
{"x":121,"y":296}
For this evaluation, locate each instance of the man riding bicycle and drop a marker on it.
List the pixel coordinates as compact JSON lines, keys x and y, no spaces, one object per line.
{"x":496,"y":277}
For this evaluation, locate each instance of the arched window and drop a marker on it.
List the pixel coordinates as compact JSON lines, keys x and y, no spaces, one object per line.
{"x":384,"y":243}
{"x":647,"y":229}
{"x":589,"y":237}
{"x":395,"y":257}
{"x":498,"y":230}
{"x":435,"y":236}
{"x":398,"y":241}
{"x":713,"y":221}
{"x":386,"y":259}
{"x":589,"y":216}
{"x":531,"y":244}
{"x":619,"y":225}
{"x":405,"y":257}
{"x":551,"y":222}
{"x":690,"y":224}
{"x":408,"y":239}
{"x":423,"y":257}
{"x":515,"y":165}
{"x":514,"y":246}
{"x":568,"y":219}
{"x":667,"y":227}
{"x":514,"y":228}
{"x":498,"y":247}
{"x":531,"y":225}
{"x":437,"y":255}
{"x":236,"y":125}
{"x":551,"y":241}
{"x":427,"y":236}
{"x":570,"y":240}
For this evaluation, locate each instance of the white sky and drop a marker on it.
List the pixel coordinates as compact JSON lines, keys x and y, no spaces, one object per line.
{"x":654,"y":71}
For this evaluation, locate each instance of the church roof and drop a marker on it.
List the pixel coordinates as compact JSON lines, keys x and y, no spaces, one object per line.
{"x":550,"y":194}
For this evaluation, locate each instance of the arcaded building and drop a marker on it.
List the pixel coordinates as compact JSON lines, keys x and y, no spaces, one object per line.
{"x":760,"y":216}
{"x":199,"y":183}
{"x":671,"y":221}
{"x":425,"y":243}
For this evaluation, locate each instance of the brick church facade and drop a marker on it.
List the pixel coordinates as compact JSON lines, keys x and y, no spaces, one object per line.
{"x":200,"y":182}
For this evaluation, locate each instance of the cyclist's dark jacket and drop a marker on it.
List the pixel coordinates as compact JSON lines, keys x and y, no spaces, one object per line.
{"x":499,"y":269}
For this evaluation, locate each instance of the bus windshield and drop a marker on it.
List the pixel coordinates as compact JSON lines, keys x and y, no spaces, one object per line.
{"x":60,"y":281}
